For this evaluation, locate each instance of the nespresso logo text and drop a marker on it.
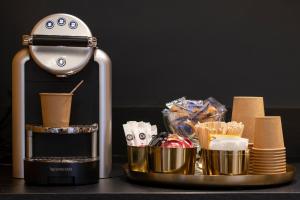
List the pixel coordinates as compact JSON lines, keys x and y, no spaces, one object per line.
{"x":60,"y":169}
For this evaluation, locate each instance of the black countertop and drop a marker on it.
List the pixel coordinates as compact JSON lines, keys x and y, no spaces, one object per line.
{"x":118,"y":187}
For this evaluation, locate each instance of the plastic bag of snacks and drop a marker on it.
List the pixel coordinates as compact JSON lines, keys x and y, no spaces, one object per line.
{"x":182,"y":114}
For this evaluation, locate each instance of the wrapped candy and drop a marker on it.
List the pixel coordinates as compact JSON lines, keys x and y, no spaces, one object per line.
{"x":167,"y":140}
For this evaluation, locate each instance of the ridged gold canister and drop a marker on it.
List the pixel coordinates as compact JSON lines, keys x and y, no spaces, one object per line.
{"x":224,"y":162}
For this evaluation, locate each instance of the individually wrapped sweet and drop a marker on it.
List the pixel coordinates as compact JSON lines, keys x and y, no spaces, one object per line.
{"x":168,"y":140}
{"x":176,"y":141}
{"x":158,"y":139}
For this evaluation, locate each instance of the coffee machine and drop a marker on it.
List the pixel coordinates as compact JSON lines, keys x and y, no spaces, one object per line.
{"x":59,"y":52}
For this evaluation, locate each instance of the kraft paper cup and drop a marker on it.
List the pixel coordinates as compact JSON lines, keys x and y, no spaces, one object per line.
{"x":270,"y":170}
{"x":246,"y":109}
{"x":268,"y":133}
{"x":56,"y":109}
{"x":273,"y":162}
{"x":257,"y":150}
{"x":283,"y":159}
{"x":270,"y":166}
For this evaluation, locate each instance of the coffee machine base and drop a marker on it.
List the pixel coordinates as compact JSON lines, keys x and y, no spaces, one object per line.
{"x":61,"y":172}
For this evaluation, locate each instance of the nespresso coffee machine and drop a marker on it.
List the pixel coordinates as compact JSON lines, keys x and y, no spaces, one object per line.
{"x":59,"y":52}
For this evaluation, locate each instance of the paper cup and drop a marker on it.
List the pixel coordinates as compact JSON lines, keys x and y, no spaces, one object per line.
{"x":270,"y":161}
{"x":268,"y":133}
{"x":255,"y":150}
{"x":270,"y":170}
{"x":56,"y":109}
{"x":246,"y":109}
{"x":269,"y":153}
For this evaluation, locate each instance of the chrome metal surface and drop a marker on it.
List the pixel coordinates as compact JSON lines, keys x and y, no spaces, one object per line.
{"x":105,"y":143}
{"x":76,"y":129}
{"x":26,"y":40}
{"x":94,"y":145}
{"x":212,"y":180}
{"x":46,"y":56}
{"x":93,"y":42}
{"x":18,"y":112}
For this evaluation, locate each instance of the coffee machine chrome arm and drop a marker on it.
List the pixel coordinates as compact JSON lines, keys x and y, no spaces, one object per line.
{"x":105,"y":135}
{"x":18,"y":112}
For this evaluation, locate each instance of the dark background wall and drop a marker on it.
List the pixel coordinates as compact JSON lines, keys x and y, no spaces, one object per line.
{"x":164,"y":49}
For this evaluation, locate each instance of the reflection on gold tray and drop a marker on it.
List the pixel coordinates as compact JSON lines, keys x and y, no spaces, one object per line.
{"x":212,"y":180}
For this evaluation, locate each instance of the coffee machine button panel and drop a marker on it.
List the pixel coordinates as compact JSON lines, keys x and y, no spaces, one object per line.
{"x":61,"y":21}
{"x":61,"y":62}
{"x":73,"y":24}
{"x":46,"y":56}
{"x":49,"y":24}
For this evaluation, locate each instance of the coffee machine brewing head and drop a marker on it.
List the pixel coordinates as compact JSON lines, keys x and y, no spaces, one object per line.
{"x":61,"y":44}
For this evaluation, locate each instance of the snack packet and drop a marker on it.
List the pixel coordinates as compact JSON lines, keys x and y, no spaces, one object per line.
{"x":181,"y":115}
{"x":139,"y":133}
{"x":129,"y":135}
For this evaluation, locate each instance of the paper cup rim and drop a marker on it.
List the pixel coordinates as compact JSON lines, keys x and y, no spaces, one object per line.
{"x":267,"y":173}
{"x":268,"y":163}
{"x":247,"y":97}
{"x":268,"y":117}
{"x":273,"y":149}
{"x":268,"y":152}
{"x":55,"y":94}
{"x":270,"y":167}
{"x":271,"y":170}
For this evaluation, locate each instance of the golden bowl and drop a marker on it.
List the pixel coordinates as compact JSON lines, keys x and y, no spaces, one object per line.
{"x":216,"y":162}
{"x":172,"y":160}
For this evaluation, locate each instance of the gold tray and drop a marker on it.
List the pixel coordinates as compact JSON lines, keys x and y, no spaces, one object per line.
{"x":212,"y":180}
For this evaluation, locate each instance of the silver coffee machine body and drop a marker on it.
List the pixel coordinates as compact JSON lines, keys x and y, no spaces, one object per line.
{"x":63,"y":46}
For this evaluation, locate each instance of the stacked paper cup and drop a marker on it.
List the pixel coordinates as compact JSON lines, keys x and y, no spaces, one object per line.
{"x":268,"y":153}
{"x":246,"y":109}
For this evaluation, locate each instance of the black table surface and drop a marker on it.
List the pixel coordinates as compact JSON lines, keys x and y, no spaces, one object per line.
{"x":119,"y":187}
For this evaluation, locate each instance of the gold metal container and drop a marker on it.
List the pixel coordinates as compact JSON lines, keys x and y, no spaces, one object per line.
{"x":224,"y":162}
{"x":138,"y":158}
{"x":172,"y":160}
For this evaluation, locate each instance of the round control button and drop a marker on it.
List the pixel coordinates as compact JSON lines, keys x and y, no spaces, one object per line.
{"x":61,"y":21}
{"x":61,"y":62}
{"x":73,"y":24}
{"x":49,"y":24}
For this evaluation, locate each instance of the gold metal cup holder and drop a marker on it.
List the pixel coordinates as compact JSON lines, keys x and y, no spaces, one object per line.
{"x":138,"y":159}
{"x":172,"y":160}
{"x":162,"y":160}
{"x":224,"y":162}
